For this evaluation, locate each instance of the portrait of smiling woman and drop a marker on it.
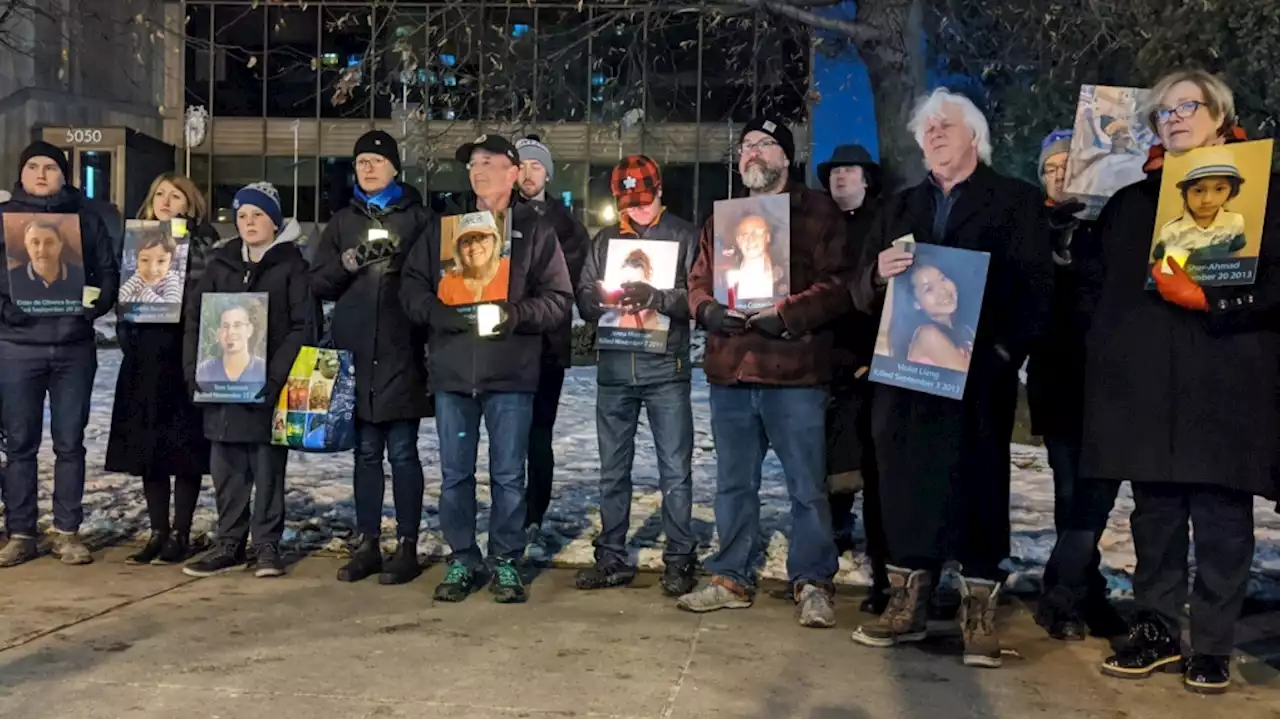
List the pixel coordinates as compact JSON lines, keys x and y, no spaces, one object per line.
{"x":477,"y":267}
{"x":935,"y":307}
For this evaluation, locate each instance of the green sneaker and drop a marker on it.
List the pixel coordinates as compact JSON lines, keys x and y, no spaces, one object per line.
{"x":459,"y":582}
{"x":507,"y":586}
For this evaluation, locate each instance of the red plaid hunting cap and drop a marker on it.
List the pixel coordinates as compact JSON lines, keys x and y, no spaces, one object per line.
{"x":635,"y":181}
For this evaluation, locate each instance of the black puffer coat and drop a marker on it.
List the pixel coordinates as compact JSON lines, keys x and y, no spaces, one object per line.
{"x":368,"y":319}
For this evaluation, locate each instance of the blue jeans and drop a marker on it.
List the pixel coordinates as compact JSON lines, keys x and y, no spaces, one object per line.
{"x":399,"y":439}
{"x":27,"y":373}
{"x":507,"y":416}
{"x":746,"y":421}
{"x":671,"y":421}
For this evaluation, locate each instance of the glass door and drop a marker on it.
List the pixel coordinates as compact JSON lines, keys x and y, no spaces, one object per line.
{"x":96,"y":173}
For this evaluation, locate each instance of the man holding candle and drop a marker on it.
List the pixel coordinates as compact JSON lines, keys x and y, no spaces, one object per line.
{"x":493,"y":375}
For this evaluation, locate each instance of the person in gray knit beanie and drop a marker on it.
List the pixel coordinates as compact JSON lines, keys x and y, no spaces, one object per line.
{"x":536,"y":168}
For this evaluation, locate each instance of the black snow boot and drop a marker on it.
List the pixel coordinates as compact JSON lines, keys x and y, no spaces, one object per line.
{"x":403,"y":566}
{"x":679,"y":578}
{"x":605,"y":574}
{"x":366,"y":561}
{"x":1207,"y":674}
{"x":154,"y":547}
{"x":1150,"y":648}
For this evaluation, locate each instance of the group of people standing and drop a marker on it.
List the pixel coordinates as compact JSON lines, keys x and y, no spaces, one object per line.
{"x":1173,"y":390}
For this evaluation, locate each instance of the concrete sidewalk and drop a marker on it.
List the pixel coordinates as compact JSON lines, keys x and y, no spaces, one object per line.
{"x":114,"y":641}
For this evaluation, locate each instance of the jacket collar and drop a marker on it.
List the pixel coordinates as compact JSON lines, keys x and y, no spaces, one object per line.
{"x":68,"y":199}
{"x":1155,"y":156}
{"x":626,"y":227}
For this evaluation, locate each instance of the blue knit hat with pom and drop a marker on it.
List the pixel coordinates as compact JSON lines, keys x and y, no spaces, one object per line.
{"x":262,"y":195}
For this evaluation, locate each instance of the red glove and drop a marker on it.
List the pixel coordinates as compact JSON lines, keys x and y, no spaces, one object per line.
{"x":1178,"y":288}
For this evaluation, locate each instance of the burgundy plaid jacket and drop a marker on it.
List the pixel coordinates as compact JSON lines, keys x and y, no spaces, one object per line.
{"x":818,"y":297}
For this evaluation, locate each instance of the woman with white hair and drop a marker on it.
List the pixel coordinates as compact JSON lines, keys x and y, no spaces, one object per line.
{"x":944,"y":464}
{"x":1180,"y":400}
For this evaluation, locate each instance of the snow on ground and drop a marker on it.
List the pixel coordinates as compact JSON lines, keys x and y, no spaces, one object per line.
{"x":320,"y":508}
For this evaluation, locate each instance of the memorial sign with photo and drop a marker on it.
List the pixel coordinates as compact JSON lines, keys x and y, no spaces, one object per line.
{"x":1109,"y":145}
{"x":45,"y":261}
{"x":475,"y":260}
{"x":652,"y":262}
{"x":930,"y":320}
{"x":232,"y":351}
{"x":153,"y":270}
{"x":752,"y":264}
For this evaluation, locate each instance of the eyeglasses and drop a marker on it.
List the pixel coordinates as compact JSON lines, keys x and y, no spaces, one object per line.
{"x":1183,"y":110}
{"x":366,"y":163}
{"x":237,"y":326}
{"x":748,"y":148}
{"x":1052,"y":168}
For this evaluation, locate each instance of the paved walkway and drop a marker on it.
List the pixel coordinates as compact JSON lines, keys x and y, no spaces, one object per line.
{"x":118,"y":642}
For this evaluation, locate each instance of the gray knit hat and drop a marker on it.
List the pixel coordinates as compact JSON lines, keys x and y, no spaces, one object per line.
{"x":531,"y":148}
{"x":1058,"y":142}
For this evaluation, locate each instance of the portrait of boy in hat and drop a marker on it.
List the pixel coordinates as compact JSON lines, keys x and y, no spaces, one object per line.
{"x":1206,"y":229}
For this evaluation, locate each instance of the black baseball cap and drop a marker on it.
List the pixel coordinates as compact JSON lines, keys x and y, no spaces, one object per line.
{"x":496,"y":144}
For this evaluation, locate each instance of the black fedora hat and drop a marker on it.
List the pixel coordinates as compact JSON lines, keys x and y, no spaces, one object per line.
{"x":846,"y":156}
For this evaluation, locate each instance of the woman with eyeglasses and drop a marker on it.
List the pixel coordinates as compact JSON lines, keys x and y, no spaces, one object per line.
{"x":1181,"y":400}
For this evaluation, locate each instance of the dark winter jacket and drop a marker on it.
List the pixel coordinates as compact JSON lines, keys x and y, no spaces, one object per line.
{"x":574,"y":244}
{"x":1055,"y":368}
{"x":539,"y":293}
{"x":154,"y":429}
{"x":368,"y":319}
{"x":293,"y":319}
{"x":1174,"y":395}
{"x":622,"y":367}
{"x":854,"y":332}
{"x":818,"y":297}
{"x":101,"y":270}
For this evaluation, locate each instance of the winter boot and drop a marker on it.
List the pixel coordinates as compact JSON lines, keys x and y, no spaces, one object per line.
{"x":70,"y":549}
{"x":978,"y":601}
{"x":720,"y":593}
{"x":154,"y":547}
{"x":177,"y":549}
{"x":877,"y":599}
{"x":814,"y":607}
{"x":1058,"y":613}
{"x":20,"y":550}
{"x":228,"y":556}
{"x":1150,"y":648}
{"x":604,"y":574}
{"x":459,"y":582}
{"x":366,"y":561}
{"x":268,"y":562}
{"x":679,"y":577}
{"x":905,"y":617}
{"x":403,"y":566}
{"x":1207,"y":674}
{"x":507,"y":586}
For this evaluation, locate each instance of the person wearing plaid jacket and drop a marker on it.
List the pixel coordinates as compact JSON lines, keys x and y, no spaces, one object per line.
{"x":769,"y":374}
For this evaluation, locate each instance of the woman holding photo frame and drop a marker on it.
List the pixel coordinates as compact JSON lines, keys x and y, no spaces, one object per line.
{"x":156,"y":433}
{"x":1180,"y":400}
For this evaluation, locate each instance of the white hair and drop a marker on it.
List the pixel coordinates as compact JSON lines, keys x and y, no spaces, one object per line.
{"x":930,"y":107}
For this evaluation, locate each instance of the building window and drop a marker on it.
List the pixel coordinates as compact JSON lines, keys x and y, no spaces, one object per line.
{"x":337,"y":182}
{"x":293,"y":46}
{"x":199,"y":56}
{"x":237,"y":64}
{"x":509,"y":50}
{"x":280,"y":172}
{"x":568,"y":186}
{"x":617,"y":67}
{"x":453,"y":66}
{"x":230,"y":173}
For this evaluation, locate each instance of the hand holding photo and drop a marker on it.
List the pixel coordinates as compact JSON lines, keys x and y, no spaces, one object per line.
{"x":635,"y":271}
{"x":45,"y":262}
{"x":1212,"y":210}
{"x":930,"y":321}
{"x":233,"y":347}
{"x":752,"y":266}
{"x":475,"y":259}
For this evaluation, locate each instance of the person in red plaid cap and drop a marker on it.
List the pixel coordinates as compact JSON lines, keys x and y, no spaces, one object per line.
{"x":769,"y":374}
{"x":653,"y":377}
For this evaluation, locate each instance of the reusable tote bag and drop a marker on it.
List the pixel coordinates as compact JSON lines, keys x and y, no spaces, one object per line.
{"x":316,"y":410}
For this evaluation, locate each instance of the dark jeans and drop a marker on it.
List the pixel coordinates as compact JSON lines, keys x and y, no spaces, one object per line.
{"x":399,"y":439}
{"x":670,"y":415}
{"x":1223,"y":522}
{"x":507,"y":416}
{"x":246,"y":472}
{"x":849,"y":447}
{"x":185,"y":492}
{"x":542,"y":460}
{"x":746,"y":421}
{"x":1081,"y":507}
{"x":28,"y":373}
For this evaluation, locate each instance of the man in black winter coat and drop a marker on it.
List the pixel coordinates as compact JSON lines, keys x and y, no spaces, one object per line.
{"x":53,"y":355}
{"x":536,"y":170}
{"x":1075,"y":592}
{"x":358,"y":265}
{"x":493,"y":376}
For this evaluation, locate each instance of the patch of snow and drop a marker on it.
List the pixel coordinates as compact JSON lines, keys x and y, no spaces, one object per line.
{"x":321,"y":510}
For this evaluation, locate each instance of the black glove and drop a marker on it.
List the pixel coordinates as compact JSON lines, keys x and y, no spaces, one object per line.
{"x":638,"y":295}
{"x":92,"y":313}
{"x":720,"y":320}
{"x":1062,"y":216}
{"x":14,"y":316}
{"x":768,"y":322}
{"x":448,"y":320}
{"x":507,"y":325}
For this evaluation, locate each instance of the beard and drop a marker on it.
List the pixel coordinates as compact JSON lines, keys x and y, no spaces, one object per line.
{"x":759,"y":176}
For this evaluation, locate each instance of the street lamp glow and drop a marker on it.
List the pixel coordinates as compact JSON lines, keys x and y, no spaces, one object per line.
{"x":608,"y":214}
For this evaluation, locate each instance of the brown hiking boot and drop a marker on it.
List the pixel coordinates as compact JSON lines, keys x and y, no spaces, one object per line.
{"x":904,"y":618}
{"x":978,"y":601}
